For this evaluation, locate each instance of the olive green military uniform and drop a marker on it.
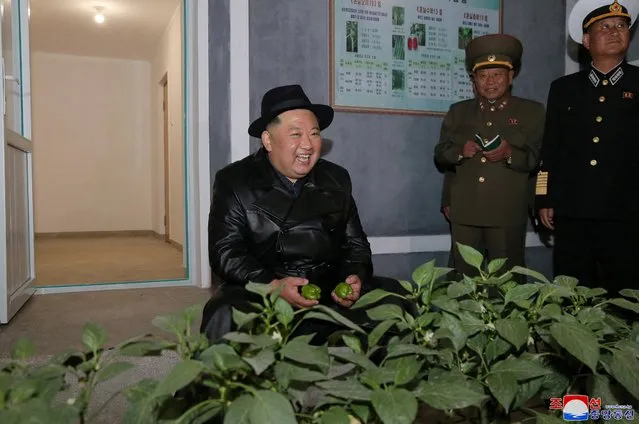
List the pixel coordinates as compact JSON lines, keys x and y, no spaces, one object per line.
{"x":489,"y":201}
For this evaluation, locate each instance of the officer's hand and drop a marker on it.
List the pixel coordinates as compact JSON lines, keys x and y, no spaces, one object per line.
{"x":446,"y":211}
{"x":547,"y":217}
{"x":290,"y":291}
{"x":500,"y":153}
{"x":470,"y":149}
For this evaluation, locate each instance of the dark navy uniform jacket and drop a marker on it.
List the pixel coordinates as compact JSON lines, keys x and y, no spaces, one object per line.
{"x":590,"y":151}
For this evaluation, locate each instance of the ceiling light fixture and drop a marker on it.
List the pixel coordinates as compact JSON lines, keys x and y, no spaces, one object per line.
{"x":99,"y":17}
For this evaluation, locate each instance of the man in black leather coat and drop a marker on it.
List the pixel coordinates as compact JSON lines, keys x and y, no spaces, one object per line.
{"x":285,"y":217}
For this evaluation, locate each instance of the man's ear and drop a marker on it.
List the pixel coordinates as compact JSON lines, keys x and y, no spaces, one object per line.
{"x":267,"y":141}
{"x":511,"y":76}
{"x":585,"y":40}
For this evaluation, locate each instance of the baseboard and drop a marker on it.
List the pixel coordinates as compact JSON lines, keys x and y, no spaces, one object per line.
{"x":80,"y":234}
{"x":175,"y":244}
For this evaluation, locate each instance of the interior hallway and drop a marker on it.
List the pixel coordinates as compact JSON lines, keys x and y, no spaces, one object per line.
{"x":99,"y":259}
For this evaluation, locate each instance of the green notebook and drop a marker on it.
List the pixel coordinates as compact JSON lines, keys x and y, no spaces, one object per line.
{"x":487,"y":144}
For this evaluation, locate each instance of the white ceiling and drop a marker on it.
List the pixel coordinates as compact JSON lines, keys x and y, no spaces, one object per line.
{"x":132,"y":28}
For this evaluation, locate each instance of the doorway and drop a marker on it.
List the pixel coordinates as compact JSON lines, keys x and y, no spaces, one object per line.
{"x":109,"y":172}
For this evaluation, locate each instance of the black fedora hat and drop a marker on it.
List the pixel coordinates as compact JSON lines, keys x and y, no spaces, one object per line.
{"x":288,"y":97}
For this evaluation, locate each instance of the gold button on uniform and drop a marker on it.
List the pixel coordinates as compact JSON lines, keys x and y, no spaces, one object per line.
{"x":595,"y":140}
{"x":604,"y":82}
{"x":593,"y":162}
{"x":490,"y":124}
{"x":602,"y":99}
{"x":598,"y":119}
{"x":483,"y":160}
{"x":482,"y":179}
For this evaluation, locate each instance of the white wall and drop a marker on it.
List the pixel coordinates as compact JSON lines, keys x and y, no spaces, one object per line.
{"x":92,"y":144}
{"x":168,"y":60}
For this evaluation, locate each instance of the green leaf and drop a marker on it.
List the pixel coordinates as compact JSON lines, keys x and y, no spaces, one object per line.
{"x":335,"y":415}
{"x":112,"y":370}
{"x":471,"y":306}
{"x":595,"y":292}
{"x":452,"y":329}
{"x":352,"y":342}
{"x":404,"y":369}
{"x":373,"y":297}
{"x":470,"y":255}
{"x":526,"y":390}
{"x":554,"y":384}
{"x":286,"y":372}
{"x":478,"y":343}
{"x":424,"y":273}
{"x":602,"y":388}
{"x":446,"y":304}
{"x":503,"y":386}
{"x":521,"y":293}
{"x":551,"y":310}
{"x":378,"y":332}
{"x":348,"y":355}
{"x":363,"y":412}
{"x":258,"y":288}
{"x":144,"y":347}
{"x":346,"y":389}
{"x":395,"y":405}
{"x":260,"y":362}
{"x":182,"y":374}
{"x":201,"y":413}
{"x":407,"y":285}
{"x":548,"y":419}
{"x":624,"y":367}
{"x":471,"y":322}
{"x":238,"y":412}
{"x":300,"y":351}
{"x":514,"y":330}
{"x":396,"y":350}
{"x":385,"y":312}
{"x":461,"y":288}
{"x":633,"y":294}
{"x":521,"y":369}
{"x":23,"y":349}
{"x":323,"y":313}
{"x":271,"y":408}
{"x":93,"y":336}
{"x":444,"y":395}
{"x":259,"y":340}
{"x":566,"y":281}
{"x":626,"y":304}
{"x":496,"y":264}
{"x":174,"y":324}
{"x":579,"y":341}
{"x":629,"y":346}
{"x":530,"y":273}
{"x":222,"y":357}
{"x":283,"y":311}
{"x":241,"y":318}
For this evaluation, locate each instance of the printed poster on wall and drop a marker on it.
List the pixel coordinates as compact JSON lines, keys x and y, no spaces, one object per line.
{"x":405,"y":56}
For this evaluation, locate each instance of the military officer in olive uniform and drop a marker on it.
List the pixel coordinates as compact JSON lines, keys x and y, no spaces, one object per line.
{"x":588,"y":186}
{"x":488,"y":193}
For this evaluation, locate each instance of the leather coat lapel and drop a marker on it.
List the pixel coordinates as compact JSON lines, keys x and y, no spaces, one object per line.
{"x":320,"y":196}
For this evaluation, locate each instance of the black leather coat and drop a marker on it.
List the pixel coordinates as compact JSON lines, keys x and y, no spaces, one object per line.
{"x":260,"y":230}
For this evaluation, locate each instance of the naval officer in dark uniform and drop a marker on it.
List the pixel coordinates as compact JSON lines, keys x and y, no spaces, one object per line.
{"x":488,"y":193}
{"x":588,"y":186}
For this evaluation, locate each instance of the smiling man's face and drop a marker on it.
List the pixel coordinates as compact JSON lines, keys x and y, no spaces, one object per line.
{"x":294,"y":143}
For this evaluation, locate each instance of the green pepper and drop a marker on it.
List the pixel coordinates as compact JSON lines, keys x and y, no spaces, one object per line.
{"x":311,"y":292}
{"x":342,"y":290}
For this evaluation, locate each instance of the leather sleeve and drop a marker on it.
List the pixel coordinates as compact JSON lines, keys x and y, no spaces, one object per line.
{"x":525,"y":142}
{"x":552,"y":131}
{"x":356,"y":252}
{"x":228,"y":231}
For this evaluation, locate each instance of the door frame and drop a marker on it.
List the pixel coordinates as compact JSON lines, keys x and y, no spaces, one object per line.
{"x":195,"y":43}
{"x":164,"y":83}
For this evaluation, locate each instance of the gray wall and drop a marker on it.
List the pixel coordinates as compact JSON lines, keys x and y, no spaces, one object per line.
{"x":390,"y":157}
{"x":219,"y":84}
